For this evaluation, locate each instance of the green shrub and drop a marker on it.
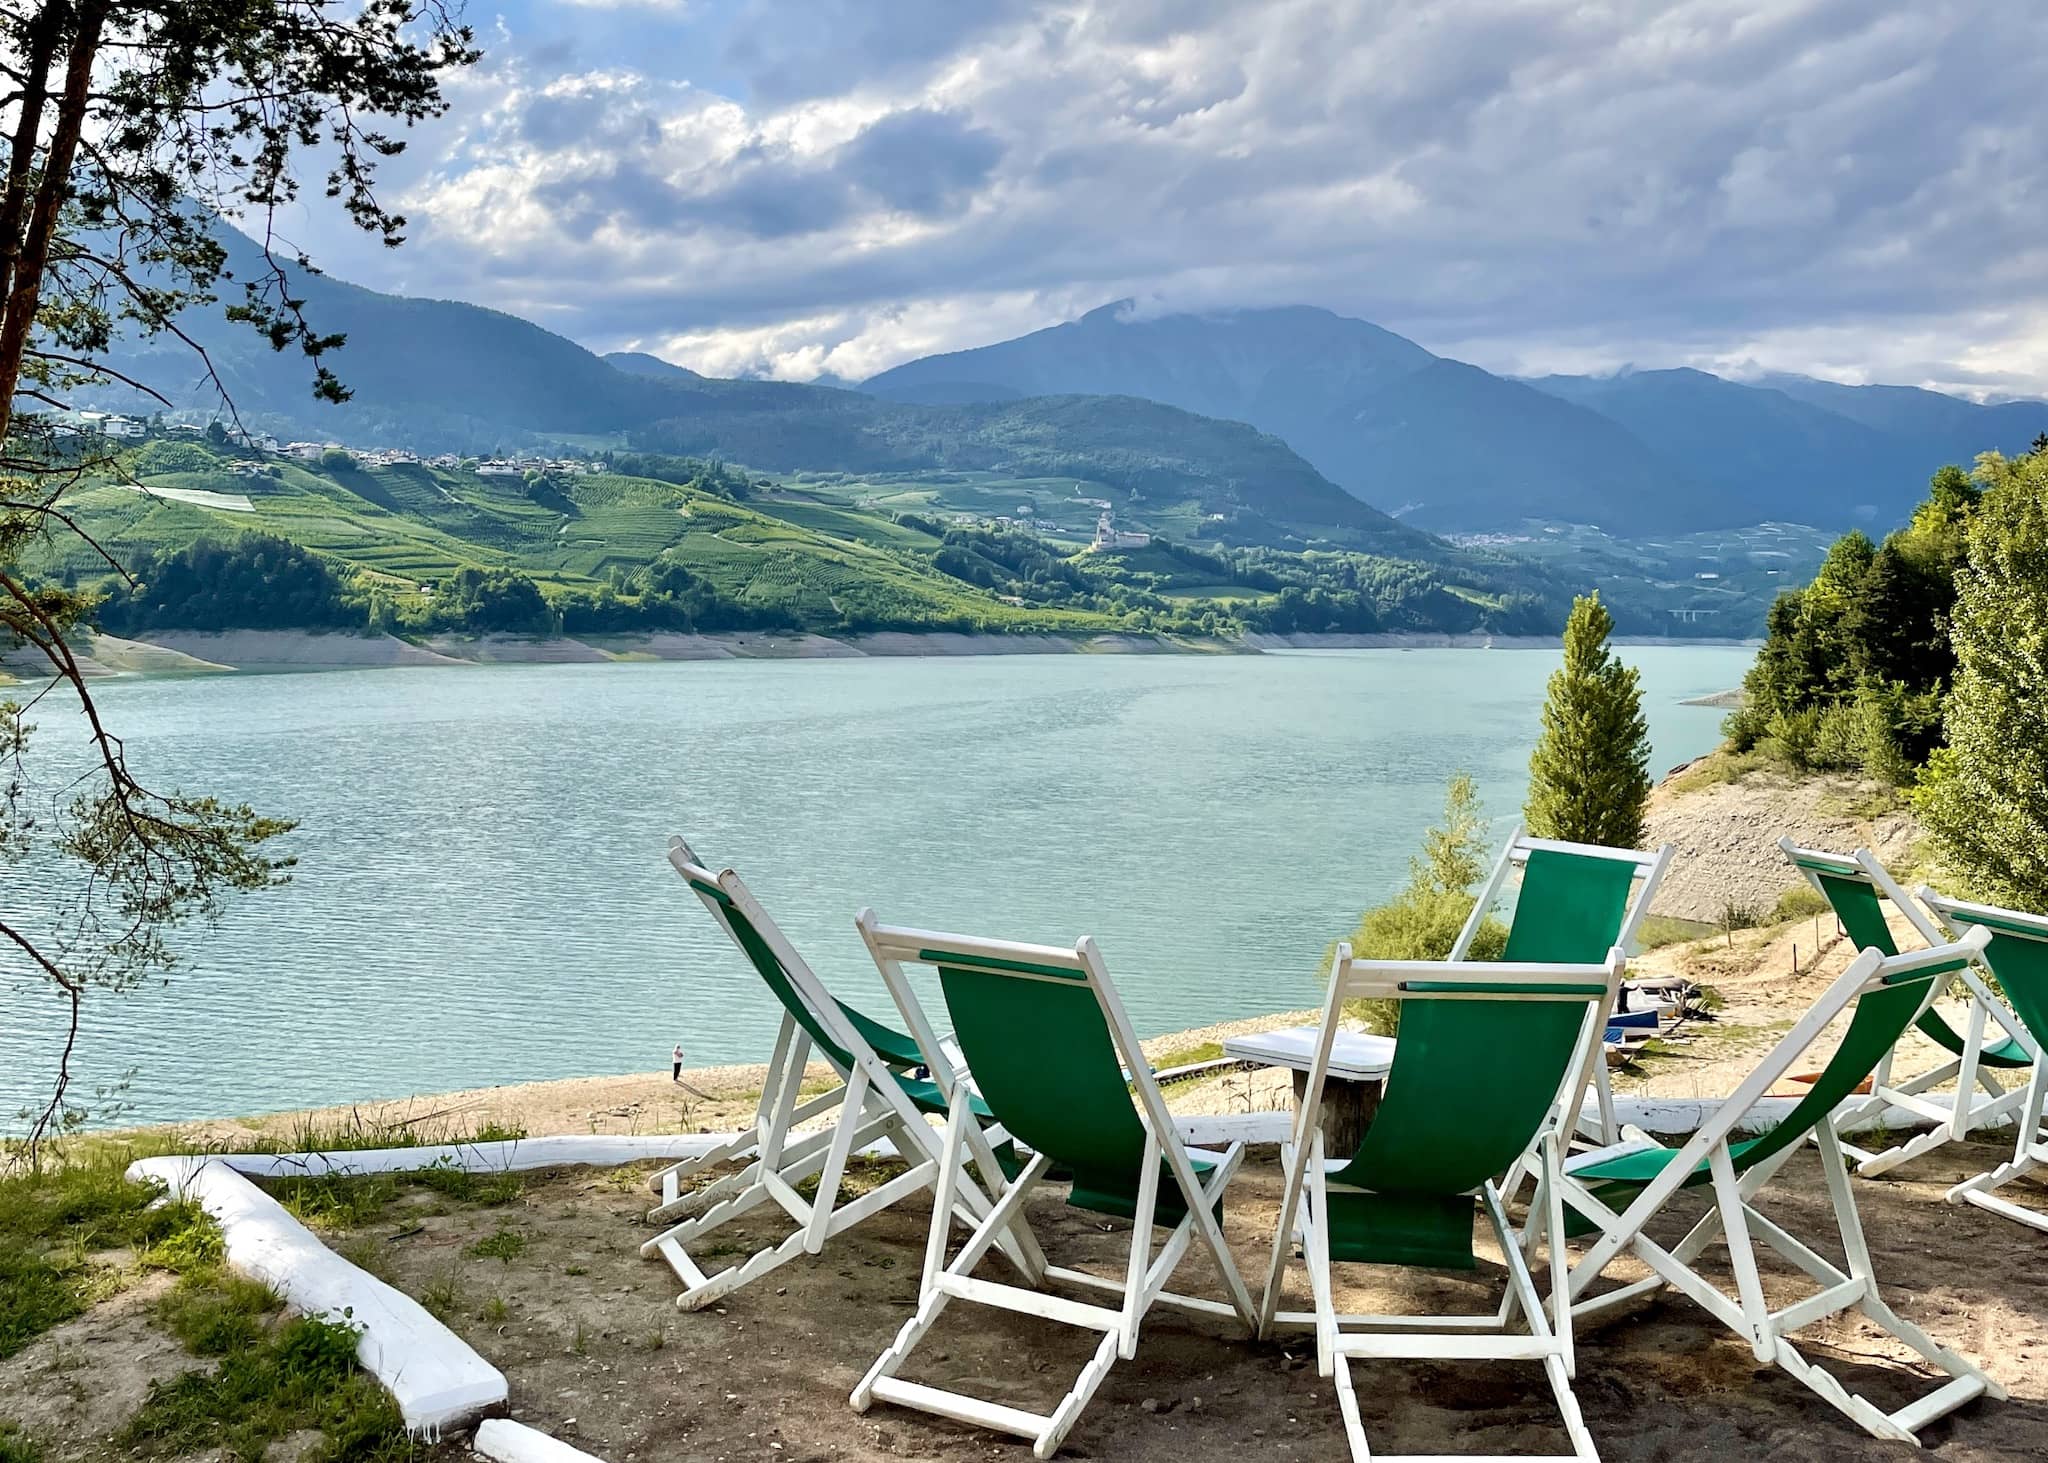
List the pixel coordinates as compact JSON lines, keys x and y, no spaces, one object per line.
{"x":1791,"y":735}
{"x":1802,"y":901}
{"x":1838,"y":738}
{"x":1422,"y":921}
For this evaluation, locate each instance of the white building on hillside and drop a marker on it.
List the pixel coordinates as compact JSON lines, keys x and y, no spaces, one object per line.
{"x":1107,"y":537}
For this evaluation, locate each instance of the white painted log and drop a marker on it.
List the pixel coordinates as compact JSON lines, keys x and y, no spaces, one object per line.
{"x":510,"y":1155}
{"x":514,"y":1442}
{"x":436,"y":1379}
{"x":1668,"y":1117}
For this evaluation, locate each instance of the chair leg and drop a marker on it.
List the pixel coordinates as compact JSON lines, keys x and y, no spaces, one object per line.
{"x":2030,"y":1153}
{"x":1474,"y":1338}
{"x":945,"y":1281}
{"x":1770,"y":1333}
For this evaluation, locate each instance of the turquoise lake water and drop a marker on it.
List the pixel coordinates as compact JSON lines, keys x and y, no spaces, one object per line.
{"x":482,"y":895}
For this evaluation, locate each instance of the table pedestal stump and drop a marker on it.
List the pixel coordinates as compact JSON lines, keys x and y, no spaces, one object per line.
{"x":1348,"y":1110}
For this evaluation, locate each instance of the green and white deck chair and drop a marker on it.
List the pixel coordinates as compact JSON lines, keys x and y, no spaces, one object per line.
{"x":876,"y":1099}
{"x":1575,"y":904}
{"x":1057,"y":1061}
{"x":1442,"y":1134}
{"x":2018,"y":956}
{"x":1856,"y":886}
{"x":1622,"y":1190}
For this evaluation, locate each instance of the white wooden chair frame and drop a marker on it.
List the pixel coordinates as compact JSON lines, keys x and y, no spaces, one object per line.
{"x":867,"y":1107}
{"x":1735,"y":1219}
{"x":1545,"y":1336}
{"x":2030,"y":1145}
{"x":1969,"y":1111}
{"x":1150,"y":1265}
{"x":1602,"y":1128}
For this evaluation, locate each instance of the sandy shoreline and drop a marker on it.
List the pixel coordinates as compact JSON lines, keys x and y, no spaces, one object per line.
{"x":707,"y":1099}
{"x":195,"y":652}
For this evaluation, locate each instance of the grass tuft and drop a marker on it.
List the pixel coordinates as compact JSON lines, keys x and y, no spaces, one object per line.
{"x":501,"y":1244}
{"x":16,"y":1446}
{"x":300,"y":1374}
{"x":215,"y":1313}
{"x":53,"y":1221}
{"x":350,"y":1201}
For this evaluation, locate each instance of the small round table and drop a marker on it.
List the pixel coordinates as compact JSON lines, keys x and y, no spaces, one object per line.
{"x":1359,"y":1064}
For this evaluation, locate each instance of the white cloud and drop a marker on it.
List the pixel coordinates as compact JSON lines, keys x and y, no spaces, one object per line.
{"x":1809,"y":184}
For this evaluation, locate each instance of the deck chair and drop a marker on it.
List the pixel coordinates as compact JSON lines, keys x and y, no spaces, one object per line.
{"x":1442,"y":1133}
{"x":2018,"y":956}
{"x":1574,"y":906}
{"x":1058,"y":1063}
{"x":1620,"y":1191}
{"x":1855,"y":887}
{"x":876,"y":1099}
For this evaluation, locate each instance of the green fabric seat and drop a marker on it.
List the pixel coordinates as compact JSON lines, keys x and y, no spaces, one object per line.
{"x":1861,"y":912}
{"x":1048,"y":1069}
{"x":1439,"y":1133}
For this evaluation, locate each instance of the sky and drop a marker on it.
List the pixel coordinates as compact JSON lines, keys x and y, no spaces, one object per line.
{"x":1849,"y":188}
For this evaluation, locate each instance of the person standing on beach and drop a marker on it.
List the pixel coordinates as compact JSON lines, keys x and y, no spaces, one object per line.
{"x":676,"y":1072}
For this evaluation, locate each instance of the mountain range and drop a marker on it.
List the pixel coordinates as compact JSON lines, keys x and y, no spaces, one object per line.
{"x":1448,"y":446}
{"x":1287,"y":422}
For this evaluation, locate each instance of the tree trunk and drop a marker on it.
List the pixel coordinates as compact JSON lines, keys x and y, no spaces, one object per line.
{"x":24,"y":289}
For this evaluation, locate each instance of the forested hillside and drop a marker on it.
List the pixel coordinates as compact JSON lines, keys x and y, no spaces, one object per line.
{"x":1918,"y":661}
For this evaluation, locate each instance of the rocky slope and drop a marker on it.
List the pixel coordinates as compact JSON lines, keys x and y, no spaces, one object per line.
{"x":1727,"y":828}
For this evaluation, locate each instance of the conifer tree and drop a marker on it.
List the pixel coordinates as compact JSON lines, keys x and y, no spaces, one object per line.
{"x":1589,"y":776}
{"x":1985,"y":796}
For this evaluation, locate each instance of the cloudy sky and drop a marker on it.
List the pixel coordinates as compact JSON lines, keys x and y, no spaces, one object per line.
{"x":1849,"y":187}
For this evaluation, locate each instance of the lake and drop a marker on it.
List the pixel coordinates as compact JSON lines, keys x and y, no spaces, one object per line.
{"x":482,"y":894}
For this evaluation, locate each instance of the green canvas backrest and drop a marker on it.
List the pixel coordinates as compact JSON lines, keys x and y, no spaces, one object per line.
{"x":1571,"y":908}
{"x":1041,"y":1053}
{"x":1880,"y":1019}
{"x":894,"y":1048}
{"x":2017,"y":955}
{"x":1859,"y":907}
{"x":1039,"y":1044}
{"x":1857,"y":904}
{"x":1472,"y":1081}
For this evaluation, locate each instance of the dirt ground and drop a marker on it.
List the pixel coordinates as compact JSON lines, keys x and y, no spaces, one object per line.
{"x":598,"y":1354}
{"x":1765,"y":980}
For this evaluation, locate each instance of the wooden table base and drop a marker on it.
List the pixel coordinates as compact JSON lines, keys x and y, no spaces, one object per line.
{"x":1348,"y":1110}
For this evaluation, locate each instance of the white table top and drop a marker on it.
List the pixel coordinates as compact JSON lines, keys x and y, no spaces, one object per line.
{"x":1354,"y":1056}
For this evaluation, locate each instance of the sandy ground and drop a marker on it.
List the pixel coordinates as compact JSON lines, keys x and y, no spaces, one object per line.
{"x":1762,"y":994}
{"x":172,"y":652}
{"x":708,"y":1100}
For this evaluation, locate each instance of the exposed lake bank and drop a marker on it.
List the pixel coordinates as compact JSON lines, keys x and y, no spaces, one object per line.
{"x":196,"y":652}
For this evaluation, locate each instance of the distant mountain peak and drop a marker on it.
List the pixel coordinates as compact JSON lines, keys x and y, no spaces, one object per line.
{"x":640,"y":363}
